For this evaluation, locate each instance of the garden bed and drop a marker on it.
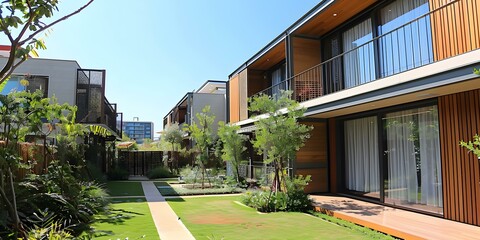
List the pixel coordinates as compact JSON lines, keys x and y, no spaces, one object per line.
{"x":184,"y":191}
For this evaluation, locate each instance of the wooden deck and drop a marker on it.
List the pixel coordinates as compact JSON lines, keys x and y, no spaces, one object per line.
{"x":396,"y":222}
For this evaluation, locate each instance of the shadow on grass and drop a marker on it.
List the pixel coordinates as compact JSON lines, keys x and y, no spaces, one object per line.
{"x":176,"y":199}
{"x":349,"y":206}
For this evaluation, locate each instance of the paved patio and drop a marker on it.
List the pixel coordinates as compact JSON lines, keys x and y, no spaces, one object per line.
{"x":396,"y":222}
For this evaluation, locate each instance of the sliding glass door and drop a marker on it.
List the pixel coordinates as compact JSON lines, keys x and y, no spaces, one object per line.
{"x":410,"y":166}
{"x":361,"y":157}
{"x":412,"y":152}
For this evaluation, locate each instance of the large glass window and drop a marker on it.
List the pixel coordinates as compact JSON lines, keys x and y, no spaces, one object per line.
{"x":359,"y":58}
{"x":412,"y":152}
{"x":21,"y":83}
{"x":361,"y":157}
{"x":279,"y":76}
{"x":407,"y":42}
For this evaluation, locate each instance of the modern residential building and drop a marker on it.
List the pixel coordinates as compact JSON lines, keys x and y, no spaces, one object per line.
{"x":212,"y":93}
{"x":138,"y":130}
{"x":390,"y":90}
{"x":69,"y":83}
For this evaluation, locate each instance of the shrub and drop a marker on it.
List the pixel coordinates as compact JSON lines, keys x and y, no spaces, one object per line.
{"x":118,"y":174}
{"x":57,"y":196}
{"x":294,"y":200}
{"x":297,"y":200}
{"x":189,"y":174}
{"x":159,"y":172}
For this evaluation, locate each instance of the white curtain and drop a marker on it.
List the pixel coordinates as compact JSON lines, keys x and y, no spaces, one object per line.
{"x":402,"y":171}
{"x":361,"y":155}
{"x":413,"y":147}
{"x":431,"y":170}
{"x":359,"y":64}
{"x":277,"y":78}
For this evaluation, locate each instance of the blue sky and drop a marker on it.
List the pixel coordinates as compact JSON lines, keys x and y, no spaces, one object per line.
{"x":155,"y":51}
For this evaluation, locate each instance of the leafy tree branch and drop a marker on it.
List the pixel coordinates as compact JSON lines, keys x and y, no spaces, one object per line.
{"x":28,"y":16}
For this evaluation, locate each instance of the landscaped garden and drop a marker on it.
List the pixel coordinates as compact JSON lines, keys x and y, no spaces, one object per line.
{"x":226,"y":218}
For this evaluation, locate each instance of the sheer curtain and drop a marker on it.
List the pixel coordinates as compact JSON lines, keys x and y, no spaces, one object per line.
{"x":414,"y":166}
{"x":431,"y":170}
{"x":361,"y":155}
{"x":402,"y":170}
{"x":278,"y":78}
{"x":359,"y":64}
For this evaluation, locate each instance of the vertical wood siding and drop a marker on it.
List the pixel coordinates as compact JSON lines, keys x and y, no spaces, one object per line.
{"x":234,"y":99}
{"x":311,"y":159}
{"x":455,"y":28}
{"x":459,"y":116}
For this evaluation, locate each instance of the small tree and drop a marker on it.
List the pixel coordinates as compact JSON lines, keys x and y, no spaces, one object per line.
{"x":279,"y":135}
{"x":203,"y":137}
{"x":174,"y":136}
{"x":21,"y":22}
{"x":233,"y":146}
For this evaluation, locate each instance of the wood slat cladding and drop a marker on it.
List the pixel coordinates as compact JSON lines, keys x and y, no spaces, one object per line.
{"x":234,"y":99}
{"x":334,"y":15}
{"x":257,"y":81}
{"x":455,"y":28}
{"x":311,"y":159}
{"x":275,"y":55}
{"x":332,"y":158}
{"x":459,"y":116}
{"x":306,"y":54}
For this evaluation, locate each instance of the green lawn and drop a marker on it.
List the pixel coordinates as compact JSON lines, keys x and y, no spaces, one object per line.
{"x":222,"y":218}
{"x":137,"y":221}
{"x":124,"y":188}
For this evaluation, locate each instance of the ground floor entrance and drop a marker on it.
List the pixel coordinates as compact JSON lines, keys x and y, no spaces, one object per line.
{"x":404,"y":156}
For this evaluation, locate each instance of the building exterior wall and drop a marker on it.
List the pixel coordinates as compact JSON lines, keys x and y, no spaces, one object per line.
{"x":62,"y":76}
{"x":217,"y":104}
{"x":312,"y":159}
{"x":460,"y":120}
{"x":138,"y":130}
{"x":385,"y":85}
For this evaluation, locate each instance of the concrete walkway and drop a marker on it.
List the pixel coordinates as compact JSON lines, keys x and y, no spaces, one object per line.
{"x":167,"y":222}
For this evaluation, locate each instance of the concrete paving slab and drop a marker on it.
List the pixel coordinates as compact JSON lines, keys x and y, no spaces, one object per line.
{"x":167,"y":222}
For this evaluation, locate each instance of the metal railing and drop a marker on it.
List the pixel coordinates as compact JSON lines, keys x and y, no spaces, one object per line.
{"x":444,"y":32}
{"x":110,"y":111}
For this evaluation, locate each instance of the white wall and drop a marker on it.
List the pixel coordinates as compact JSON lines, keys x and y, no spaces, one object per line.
{"x":217,"y":106}
{"x":62,"y":76}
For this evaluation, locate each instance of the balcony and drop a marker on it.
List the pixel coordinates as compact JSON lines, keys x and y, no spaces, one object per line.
{"x":439,"y":34}
{"x":93,"y":106}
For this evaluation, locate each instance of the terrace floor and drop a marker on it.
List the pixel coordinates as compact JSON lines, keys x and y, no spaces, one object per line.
{"x":396,"y":222}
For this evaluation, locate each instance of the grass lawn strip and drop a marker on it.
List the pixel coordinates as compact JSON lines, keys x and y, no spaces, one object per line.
{"x":122,"y":188}
{"x":221,"y":217}
{"x":138,"y":222}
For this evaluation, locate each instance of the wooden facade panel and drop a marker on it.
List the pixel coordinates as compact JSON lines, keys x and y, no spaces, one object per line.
{"x":332,"y":160}
{"x":257,"y":81}
{"x":455,"y":27}
{"x":311,"y":159}
{"x":234,"y":99}
{"x":319,"y":182}
{"x":306,"y":54}
{"x":243,"y":104}
{"x":459,"y":116}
